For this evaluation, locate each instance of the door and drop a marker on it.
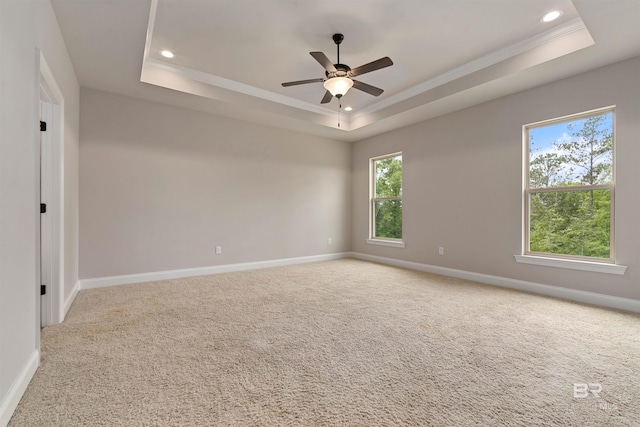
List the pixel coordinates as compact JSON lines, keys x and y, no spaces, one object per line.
{"x":45,"y":215}
{"x":51,"y":222}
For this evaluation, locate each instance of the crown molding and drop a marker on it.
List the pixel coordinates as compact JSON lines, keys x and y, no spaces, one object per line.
{"x":478,"y":64}
{"x":218,"y":81}
{"x":150,"y":27}
{"x":234,"y":86}
{"x":377,"y":111}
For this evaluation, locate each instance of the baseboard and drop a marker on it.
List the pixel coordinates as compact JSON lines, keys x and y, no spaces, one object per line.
{"x":70,"y":299}
{"x":17,"y":389}
{"x":537,"y":288}
{"x":101,"y":282}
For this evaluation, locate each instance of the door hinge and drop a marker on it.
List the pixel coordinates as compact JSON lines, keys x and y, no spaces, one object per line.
{"x":43,"y":126}
{"x":43,"y":289}
{"x":43,"y":208}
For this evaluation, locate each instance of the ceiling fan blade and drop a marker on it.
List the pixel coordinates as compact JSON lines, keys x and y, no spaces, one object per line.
{"x":302,"y":82}
{"x":372,"y":66}
{"x":326,"y":98}
{"x":324,"y":61}
{"x":372,"y":90}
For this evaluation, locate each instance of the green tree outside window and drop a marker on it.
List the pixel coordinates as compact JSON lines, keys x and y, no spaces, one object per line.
{"x":570,"y":186}
{"x":387,"y":197}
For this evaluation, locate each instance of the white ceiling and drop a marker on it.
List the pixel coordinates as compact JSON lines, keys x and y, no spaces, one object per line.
{"x":233,"y":55}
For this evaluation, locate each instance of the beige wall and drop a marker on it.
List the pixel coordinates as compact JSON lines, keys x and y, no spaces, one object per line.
{"x":463,"y":182}
{"x":161,"y":186}
{"x":27,"y":25}
{"x":17,"y":192}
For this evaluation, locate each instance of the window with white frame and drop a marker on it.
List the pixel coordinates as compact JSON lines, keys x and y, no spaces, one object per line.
{"x":386,"y":199}
{"x":569,"y":187}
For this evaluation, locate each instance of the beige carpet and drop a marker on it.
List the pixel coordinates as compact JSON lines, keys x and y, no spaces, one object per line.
{"x":335,"y":343}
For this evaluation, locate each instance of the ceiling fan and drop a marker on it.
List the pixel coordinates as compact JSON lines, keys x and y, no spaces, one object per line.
{"x":338,"y":77}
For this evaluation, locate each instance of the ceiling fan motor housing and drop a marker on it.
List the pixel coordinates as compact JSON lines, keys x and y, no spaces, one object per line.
{"x":342,"y":71}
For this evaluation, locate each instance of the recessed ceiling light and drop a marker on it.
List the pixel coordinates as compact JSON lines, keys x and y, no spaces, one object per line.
{"x":551,"y":16}
{"x":348,"y":108}
{"x":167,"y":54}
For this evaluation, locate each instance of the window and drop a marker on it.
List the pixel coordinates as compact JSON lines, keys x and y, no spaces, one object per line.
{"x":386,"y":200}
{"x":569,"y":187}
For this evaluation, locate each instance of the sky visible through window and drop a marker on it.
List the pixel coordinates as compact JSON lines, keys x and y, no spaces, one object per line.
{"x":543,"y":137}
{"x":546,"y":139}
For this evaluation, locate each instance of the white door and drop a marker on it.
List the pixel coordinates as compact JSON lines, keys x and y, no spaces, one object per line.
{"x":51,"y":310}
{"x":46,"y":112}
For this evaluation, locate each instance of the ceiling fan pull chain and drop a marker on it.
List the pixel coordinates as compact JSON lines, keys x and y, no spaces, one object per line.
{"x":339,"y":108}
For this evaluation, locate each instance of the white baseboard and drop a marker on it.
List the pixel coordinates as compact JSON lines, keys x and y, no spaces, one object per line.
{"x":537,"y":288}
{"x":101,"y":282}
{"x":70,"y":299}
{"x":13,"y":396}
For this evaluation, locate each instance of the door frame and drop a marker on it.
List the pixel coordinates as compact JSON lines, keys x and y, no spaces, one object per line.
{"x":51,"y":306}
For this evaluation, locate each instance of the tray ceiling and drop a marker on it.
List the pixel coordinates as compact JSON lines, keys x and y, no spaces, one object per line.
{"x":233,"y":55}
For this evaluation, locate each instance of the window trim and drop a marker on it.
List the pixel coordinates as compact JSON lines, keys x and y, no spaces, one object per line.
{"x":393,"y":243}
{"x":372,"y":239}
{"x":572,"y":264}
{"x":562,"y":260}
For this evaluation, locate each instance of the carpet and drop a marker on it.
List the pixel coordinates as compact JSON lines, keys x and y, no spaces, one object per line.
{"x":334,"y":343}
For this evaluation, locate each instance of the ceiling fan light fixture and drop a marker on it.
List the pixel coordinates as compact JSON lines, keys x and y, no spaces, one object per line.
{"x":338,"y":86}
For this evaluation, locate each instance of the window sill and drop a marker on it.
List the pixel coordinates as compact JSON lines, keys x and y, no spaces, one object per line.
{"x":598,"y":267}
{"x":391,"y":243}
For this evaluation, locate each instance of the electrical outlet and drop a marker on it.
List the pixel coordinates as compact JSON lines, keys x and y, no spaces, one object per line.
{"x":440,"y":250}
{"x":329,"y":241}
{"x":218,"y":250}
